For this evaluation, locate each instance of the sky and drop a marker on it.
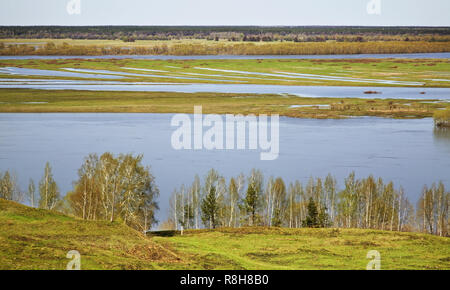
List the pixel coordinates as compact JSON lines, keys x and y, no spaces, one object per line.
{"x":226,"y":12}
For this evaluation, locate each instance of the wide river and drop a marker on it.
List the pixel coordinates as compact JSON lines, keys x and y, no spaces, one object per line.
{"x":408,"y":152}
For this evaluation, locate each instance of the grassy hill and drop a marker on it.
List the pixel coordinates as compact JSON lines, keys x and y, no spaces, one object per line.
{"x":292,"y":249}
{"x":39,"y":239}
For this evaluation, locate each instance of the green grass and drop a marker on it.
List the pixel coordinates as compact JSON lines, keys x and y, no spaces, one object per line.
{"x":40,"y":239}
{"x":276,"y":248}
{"x":430,"y":72}
{"x":41,"y":101}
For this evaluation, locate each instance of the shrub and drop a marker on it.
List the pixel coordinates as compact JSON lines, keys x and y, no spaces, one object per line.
{"x":442,"y":118}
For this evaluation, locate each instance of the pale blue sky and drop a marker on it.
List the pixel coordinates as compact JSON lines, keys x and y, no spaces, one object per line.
{"x":225,"y":12}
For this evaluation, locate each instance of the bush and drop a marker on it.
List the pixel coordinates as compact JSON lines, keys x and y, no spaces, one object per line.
{"x":442,"y":118}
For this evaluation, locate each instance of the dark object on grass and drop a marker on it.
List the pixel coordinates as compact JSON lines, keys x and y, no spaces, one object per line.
{"x":169,"y":233}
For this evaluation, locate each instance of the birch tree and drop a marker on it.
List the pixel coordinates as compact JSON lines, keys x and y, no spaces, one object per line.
{"x":32,"y":193}
{"x":234,"y":199}
{"x":9,"y":188}
{"x":196,"y":198}
{"x":48,"y":190}
{"x":330,"y":196}
{"x":111,"y":188}
{"x":279,"y":201}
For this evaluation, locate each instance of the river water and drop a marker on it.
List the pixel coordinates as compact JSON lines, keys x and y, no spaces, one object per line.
{"x":301,"y":91}
{"x":408,"y":152}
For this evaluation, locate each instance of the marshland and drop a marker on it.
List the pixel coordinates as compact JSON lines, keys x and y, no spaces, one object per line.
{"x":363,"y":163}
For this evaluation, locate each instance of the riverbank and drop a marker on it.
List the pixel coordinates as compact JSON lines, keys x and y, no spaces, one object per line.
{"x":62,"y":101}
{"x":442,"y":118}
{"x":208,"y":47}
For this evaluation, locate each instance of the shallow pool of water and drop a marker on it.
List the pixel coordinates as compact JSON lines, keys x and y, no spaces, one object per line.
{"x":305,"y":91}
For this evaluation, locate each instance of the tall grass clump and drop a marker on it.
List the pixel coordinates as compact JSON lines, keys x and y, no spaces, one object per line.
{"x":442,"y":118}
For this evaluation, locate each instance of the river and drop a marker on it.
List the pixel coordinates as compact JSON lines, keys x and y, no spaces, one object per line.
{"x":407,"y":152}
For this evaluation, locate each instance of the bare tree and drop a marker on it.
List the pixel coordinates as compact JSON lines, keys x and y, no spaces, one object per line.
{"x":32,"y":193}
{"x":48,"y":190}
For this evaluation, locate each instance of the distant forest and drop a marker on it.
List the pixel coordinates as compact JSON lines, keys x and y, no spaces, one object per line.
{"x":231,"y":33}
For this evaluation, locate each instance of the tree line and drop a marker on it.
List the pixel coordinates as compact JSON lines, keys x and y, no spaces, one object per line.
{"x":46,"y":196}
{"x":230,"y":33}
{"x":368,"y":203}
{"x":119,"y":188}
{"x":230,"y":48}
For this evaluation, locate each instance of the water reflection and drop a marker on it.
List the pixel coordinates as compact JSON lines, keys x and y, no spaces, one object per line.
{"x":442,"y":136}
